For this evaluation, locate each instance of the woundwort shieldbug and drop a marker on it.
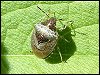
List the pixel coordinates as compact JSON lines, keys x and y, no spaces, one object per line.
{"x":44,"y":37}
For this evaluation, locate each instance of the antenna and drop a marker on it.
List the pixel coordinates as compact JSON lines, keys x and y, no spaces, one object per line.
{"x":42,"y":11}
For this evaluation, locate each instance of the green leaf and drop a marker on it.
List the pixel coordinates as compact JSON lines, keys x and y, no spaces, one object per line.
{"x":18,"y":19}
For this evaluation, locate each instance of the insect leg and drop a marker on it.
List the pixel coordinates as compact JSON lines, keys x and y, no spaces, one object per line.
{"x":63,"y":38}
{"x":72,"y":28}
{"x":59,"y":52}
{"x":62,"y":24}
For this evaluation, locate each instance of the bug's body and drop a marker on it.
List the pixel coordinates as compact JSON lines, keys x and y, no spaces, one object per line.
{"x":44,"y":38}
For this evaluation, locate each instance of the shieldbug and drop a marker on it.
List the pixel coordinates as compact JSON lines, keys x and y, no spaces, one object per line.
{"x":44,"y":37}
{"x":47,"y":41}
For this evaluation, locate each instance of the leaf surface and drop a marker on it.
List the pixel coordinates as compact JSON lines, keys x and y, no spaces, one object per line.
{"x":18,"y":19}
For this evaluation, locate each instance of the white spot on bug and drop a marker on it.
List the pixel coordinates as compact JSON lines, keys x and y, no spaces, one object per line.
{"x":48,"y":33}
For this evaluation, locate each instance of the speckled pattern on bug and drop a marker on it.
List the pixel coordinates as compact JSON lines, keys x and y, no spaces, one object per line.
{"x":44,"y":38}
